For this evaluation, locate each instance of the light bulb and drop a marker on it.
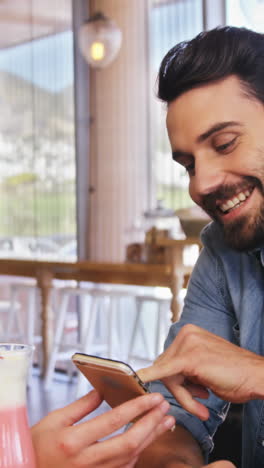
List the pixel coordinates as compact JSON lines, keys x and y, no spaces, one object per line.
{"x":99,"y":40}
{"x":97,"y":51}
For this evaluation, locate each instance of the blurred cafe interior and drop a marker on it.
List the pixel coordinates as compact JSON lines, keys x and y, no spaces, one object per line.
{"x":98,"y":234}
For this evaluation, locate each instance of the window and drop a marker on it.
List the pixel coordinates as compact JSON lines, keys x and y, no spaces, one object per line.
{"x":37,"y":134}
{"x":244,"y":13}
{"x":171,"y":21}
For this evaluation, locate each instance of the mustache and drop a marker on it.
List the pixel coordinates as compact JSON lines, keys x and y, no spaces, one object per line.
{"x":228,"y":191}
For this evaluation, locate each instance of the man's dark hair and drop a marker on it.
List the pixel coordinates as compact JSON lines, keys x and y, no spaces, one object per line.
{"x":211,"y":56}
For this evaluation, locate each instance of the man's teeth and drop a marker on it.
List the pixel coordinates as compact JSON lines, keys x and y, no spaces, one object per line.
{"x":235,"y":201}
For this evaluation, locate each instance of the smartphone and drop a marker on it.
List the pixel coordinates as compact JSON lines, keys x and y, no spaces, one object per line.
{"x":115,"y":381}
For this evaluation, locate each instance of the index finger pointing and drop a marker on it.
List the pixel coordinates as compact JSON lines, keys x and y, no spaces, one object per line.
{"x":161,"y":368}
{"x":147,"y":374}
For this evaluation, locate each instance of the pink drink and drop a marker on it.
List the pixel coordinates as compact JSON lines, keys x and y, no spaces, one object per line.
{"x":15,"y":444}
{"x":16,"y":449}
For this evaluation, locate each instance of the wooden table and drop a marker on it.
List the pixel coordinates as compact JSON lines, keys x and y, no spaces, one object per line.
{"x":172,"y":275}
{"x":113,"y":273}
{"x":179,"y":271}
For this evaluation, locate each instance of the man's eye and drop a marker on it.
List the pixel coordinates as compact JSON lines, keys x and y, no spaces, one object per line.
{"x":227,"y":145}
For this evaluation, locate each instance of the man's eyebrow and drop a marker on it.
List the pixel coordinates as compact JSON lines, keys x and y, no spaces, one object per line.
{"x":215,"y":128}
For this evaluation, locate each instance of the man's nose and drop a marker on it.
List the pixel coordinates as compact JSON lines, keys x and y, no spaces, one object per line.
{"x":209,"y":177}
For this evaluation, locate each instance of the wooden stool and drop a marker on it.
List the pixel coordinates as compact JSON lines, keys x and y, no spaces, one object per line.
{"x":103,"y":299}
{"x":161,"y":297}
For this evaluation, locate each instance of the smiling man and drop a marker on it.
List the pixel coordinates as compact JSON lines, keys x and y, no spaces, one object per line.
{"x":224,"y":158}
{"x":214,"y":89}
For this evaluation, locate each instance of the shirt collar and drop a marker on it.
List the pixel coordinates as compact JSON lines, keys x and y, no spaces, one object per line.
{"x":259,"y":254}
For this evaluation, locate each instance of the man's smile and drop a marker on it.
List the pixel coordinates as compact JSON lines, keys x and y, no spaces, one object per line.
{"x":227,"y":202}
{"x":233,"y":203}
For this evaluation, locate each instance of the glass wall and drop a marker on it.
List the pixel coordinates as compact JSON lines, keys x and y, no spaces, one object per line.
{"x":171,"y":21}
{"x":245,"y":13}
{"x":37,"y":135}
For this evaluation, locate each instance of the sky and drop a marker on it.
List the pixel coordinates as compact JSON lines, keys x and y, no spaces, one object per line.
{"x":47,"y":62}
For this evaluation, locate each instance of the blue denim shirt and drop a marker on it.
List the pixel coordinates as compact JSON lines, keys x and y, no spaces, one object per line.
{"x":225,"y":296}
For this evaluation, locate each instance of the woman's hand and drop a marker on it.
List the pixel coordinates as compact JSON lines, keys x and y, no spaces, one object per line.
{"x":59,"y":442}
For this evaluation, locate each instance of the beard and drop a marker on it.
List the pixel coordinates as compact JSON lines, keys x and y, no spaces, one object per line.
{"x":245,"y":233}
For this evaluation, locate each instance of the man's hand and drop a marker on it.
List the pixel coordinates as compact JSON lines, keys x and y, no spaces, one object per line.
{"x":198,"y":360}
{"x":59,"y":442}
{"x":221,"y":464}
{"x":218,"y":464}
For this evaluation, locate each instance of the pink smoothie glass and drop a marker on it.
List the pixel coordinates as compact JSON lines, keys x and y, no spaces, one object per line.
{"x":16,"y":449}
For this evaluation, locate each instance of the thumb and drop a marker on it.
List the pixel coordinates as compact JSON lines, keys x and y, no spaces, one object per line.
{"x":221,"y":464}
{"x":74,"y":412}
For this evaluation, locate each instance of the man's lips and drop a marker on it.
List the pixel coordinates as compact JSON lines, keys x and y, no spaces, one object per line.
{"x":235,"y":201}
{"x":227,"y":199}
